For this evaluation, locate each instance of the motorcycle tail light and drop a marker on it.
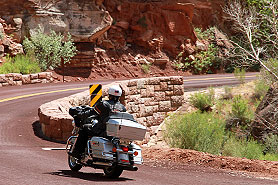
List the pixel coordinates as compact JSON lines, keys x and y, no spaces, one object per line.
{"x":125,"y":149}
{"x":114,"y":149}
{"x":135,"y":153}
{"x":125,"y":161}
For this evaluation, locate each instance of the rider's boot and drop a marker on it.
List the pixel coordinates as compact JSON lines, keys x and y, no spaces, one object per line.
{"x":79,"y":146}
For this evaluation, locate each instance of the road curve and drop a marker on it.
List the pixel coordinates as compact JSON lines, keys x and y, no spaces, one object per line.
{"x":22,"y":160}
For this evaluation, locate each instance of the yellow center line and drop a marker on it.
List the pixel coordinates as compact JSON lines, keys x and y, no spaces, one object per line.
{"x":80,"y":88}
{"x":228,"y":77}
{"x":41,"y":93}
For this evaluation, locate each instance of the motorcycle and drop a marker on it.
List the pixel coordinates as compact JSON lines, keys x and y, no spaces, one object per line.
{"x":113,"y":153}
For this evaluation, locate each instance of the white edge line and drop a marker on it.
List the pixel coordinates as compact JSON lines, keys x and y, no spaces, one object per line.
{"x":48,"y":149}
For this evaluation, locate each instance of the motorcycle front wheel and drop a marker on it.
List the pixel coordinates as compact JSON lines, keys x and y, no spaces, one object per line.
{"x":74,"y":166}
{"x":113,"y":172}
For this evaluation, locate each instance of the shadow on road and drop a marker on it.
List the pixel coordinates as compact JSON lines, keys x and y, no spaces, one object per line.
{"x":38,"y":132}
{"x":87,"y":176}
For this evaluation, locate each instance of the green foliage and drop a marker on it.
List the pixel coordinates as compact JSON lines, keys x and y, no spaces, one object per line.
{"x":197,"y":131}
{"x":207,"y":34}
{"x":204,"y":61}
{"x":239,"y":108}
{"x":146,"y":68}
{"x":49,"y":49}
{"x":250,"y":149}
{"x":240,"y":74}
{"x":261,"y":88}
{"x":269,"y":157}
{"x":179,"y":66}
{"x":20,"y":64}
{"x":207,"y":131}
{"x":202,"y":101}
{"x":271,"y":144}
{"x":240,"y":115}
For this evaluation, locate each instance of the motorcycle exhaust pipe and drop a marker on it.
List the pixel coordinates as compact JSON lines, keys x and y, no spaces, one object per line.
{"x":102,"y":163}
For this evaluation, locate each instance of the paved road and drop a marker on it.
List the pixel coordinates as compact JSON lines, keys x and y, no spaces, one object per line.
{"x":200,"y":81}
{"x":22,"y":160}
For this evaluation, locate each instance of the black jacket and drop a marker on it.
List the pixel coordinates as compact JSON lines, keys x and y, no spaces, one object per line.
{"x":104,"y":109}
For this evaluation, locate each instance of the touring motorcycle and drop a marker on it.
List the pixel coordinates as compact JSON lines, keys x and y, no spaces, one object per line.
{"x":113,"y":153}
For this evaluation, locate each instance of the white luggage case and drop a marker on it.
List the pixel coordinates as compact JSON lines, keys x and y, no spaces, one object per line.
{"x":123,"y":125}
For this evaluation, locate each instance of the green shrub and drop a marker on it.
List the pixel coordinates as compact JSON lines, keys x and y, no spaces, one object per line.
{"x":240,"y":74}
{"x":270,"y":157}
{"x":240,"y":116}
{"x":242,"y":148}
{"x":205,"y":61}
{"x":207,"y":34}
{"x":197,"y":131}
{"x":23,"y":64}
{"x":8,"y":67}
{"x":202,"y":101}
{"x":261,"y":88}
{"x":49,"y":49}
{"x":240,"y":109}
{"x":271,"y":144}
{"x":146,"y":68}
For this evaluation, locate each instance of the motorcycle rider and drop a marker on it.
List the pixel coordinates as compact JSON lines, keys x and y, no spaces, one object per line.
{"x":102,"y":110}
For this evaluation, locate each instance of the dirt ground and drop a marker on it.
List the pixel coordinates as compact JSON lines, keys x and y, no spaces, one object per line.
{"x":177,"y":158}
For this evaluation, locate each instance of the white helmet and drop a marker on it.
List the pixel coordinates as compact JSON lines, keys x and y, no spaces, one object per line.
{"x":115,"y":90}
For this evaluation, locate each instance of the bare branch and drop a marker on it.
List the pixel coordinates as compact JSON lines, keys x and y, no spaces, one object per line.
{"x":257,"y":45}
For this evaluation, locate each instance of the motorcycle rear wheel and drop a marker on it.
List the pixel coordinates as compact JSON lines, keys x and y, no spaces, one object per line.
{"x":74,"y":166}
{"x":113,"y":172}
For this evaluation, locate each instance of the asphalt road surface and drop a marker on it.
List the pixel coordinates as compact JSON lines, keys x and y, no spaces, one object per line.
{"x":24,"y":162}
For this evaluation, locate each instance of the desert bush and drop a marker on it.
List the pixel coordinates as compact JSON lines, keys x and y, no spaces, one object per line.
{"x":49,"y":49}
{"x":270,"y":157}
{"x":271,"y":144}
{"x":146,"y":68}
{"x":197,"y":131}
{"x":240,"y":113}
{"x":237,"y":147}
{"x":205,"y":61}
{"x":261,"y":88}
{"x":202,"y":101}
{"x":23,"y":64}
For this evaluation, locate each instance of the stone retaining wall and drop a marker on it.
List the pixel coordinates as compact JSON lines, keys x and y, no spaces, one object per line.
{"x":148,"y":100}
{"x":14,"y":79}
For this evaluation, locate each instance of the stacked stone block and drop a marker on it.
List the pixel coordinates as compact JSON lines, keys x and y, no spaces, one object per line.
{"x":149,"y":100}
{"x":16,"y":79}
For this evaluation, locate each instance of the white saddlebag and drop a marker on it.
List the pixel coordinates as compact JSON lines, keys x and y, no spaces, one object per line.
{"x":123,"y":126}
